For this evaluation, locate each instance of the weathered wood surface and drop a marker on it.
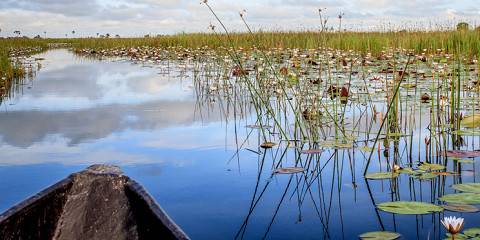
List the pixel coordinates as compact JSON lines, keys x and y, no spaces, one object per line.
{"x":98,"y":203}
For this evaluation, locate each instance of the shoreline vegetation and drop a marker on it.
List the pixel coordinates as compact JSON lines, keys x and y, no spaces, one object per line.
{"x":288,"y":64}
{"x":464,"y":42}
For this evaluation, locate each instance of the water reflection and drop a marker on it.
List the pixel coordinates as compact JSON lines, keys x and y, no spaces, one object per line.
{"x":194,"y":154}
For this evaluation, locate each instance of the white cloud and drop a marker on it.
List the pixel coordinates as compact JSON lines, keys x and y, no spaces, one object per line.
{"x":139,"y":17}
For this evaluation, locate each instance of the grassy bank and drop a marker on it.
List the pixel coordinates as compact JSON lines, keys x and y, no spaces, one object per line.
{"x":464,"y":42}
{"x":10,"y":69}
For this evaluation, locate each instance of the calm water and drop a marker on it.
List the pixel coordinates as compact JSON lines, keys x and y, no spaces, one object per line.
{"x":78,"y":112}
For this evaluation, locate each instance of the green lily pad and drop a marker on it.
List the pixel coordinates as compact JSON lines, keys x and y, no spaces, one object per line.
{"x":425,"y":176}
{"x":466,"y":133}
{"x":404,"y":207}
{"x":461,"y":208}
{"x":472,"y":121}
{"x":467,"y":187}
{"x":430,"y":167}
{"x":381,"y":175}
{"x":462,"y":198}
{"x":408,"y":85}
{"x":466,"y":161}
{"x":472,"y":232}
{"x":458,"y":236}
{"x":365,"y":149}
{"x":408,"y":171}
{"x":396,"y":134}
{"x":288,"y":170}
{"x":380,"y":235}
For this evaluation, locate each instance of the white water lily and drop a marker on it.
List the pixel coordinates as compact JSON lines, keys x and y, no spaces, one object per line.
{"x":453,"y":224}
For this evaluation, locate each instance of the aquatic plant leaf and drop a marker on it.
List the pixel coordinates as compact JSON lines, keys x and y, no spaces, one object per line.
{"x":405,"y":207}
{"x":408,"y":171}
{"x":466,"y":161}
{"x":408,"y":85}
{"x":430,"y":167}
{"x":311,"y":151}
{"x":267,"y":145}
{"x":381,"y":175}
{"x":288,"y":170}
{"x":461,"y":208}
{"x":425,"y":176}
{"x":458,"y":236}
{"x":254,"y":126}
{"x":365,"y":149}
{"x":444,"y":173}
{"x":462,"y":198}
{"x":334,"y":144}
{"x":385,"y":235}
{"x":466,"y":133}
{"x":397,"y":134}
{"x":472,"y":232}
{"x":463,"y":153}
{"x":467,"y":187}
{"x":472,"y":121}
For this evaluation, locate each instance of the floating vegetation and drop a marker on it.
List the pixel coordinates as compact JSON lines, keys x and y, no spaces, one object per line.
{"x":267,"y":145}
{"x":382,"y":175}
{"x":425,"y":176}
{"x":467,"y":187}
{"x":472,"y":232}
{"x":430,"y":167}
{"x":463,"y":153}
{"x":403,"y":207}
{"x":312,"y":151}
{"x":460,"y":208}
{"x":289,"y":170}
{"x":462,"y":198}
{"x":383,"y":235}
{"x":472,"y":121}
{"x":347,"y":96}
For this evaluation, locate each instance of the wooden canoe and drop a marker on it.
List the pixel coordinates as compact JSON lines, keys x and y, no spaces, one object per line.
{"x":97,"y":203}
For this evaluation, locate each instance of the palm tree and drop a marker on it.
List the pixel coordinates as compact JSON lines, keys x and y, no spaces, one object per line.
{"x":45,"y":34}
{"x":73,"y":33}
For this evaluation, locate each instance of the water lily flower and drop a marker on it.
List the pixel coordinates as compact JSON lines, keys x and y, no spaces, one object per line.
{"x":453,"y":224}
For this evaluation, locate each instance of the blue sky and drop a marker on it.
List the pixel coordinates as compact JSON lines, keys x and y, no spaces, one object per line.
{"x":139,"y":17}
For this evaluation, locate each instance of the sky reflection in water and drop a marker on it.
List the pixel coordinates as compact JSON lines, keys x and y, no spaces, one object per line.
{"x":79,"y":112}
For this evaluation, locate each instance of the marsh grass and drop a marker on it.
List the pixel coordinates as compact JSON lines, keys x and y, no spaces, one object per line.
{"x":464,"y":42}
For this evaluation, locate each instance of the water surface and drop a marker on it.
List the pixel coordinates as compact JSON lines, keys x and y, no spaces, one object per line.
{"x":77,"y":112}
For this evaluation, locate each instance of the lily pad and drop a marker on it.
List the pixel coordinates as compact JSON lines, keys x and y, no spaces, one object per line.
{"x":408,"y":171}
{"x":430,"y":167}
{"x":461,"y":208}
{"x":466,"y":161}
{"x":267,"y":145}
{"x":472,"y":121}
{"x":472,"y":232}
{"x":425,"y":176}
{"x":289,"y":170}
{"x":408,"y":85}
{"x":365,"y":149}
{"x":381,"y":175}
{"x":380,"y":235}
{"x":405,"y":207}
{"x":463,"y":153}
{"x":467,"y":187}
{"x":462,"y":198}
{"x":445,"y":173}
{"x":311,"y":151}
{"x":254,"y":126}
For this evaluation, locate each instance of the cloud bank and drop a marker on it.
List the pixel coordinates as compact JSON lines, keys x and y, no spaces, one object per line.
{"x":140,"y":17}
